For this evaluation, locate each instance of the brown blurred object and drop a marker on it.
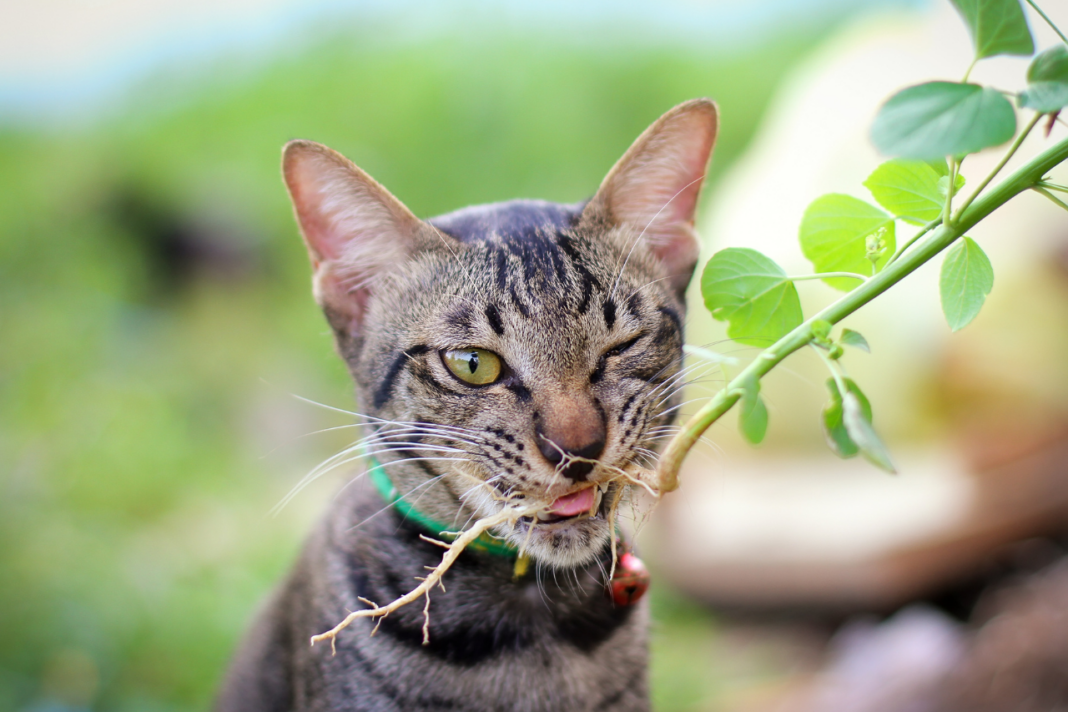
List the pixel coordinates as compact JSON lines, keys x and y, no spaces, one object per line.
{"x":1014,"y":659}
{"x":1018,"y":660}
{"x":1013,"y":487}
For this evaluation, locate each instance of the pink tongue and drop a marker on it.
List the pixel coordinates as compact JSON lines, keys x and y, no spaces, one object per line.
{"x":572,"y":504}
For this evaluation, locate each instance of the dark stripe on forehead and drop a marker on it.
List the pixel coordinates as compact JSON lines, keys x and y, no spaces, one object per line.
{"x":502,"y":270}
{"x":385,"y":387}
{"x":518,"y":302}
{"x":609,"y":313}
{"x":519,"y":249}
{"x":493,"y":316}
{"x":587,"y":280}
{"x":634,"y":304}
{"x":557,"y":259}
{"x":547,"y":253}
{"x":587,"y":294}
{"x":564,"y":241}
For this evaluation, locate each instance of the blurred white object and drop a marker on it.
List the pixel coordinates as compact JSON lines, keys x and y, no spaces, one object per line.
{"x":806,"y":530}
{"x":815,"y":141}
{"x":873,"y":667}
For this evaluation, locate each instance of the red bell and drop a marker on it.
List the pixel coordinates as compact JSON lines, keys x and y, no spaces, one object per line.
{"x":630,"y":581}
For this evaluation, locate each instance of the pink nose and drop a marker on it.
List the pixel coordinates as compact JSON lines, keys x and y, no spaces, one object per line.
{"x":573,"y":427}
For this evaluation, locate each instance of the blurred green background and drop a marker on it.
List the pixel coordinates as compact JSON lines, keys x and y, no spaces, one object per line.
{"x":155,"y":315}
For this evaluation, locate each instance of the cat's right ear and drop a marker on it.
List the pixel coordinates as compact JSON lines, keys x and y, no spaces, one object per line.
{"x":653,"y":189}
{"x":354,"y":229}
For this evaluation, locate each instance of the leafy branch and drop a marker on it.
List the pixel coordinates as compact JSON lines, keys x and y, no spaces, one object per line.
{"x":930,"y":128}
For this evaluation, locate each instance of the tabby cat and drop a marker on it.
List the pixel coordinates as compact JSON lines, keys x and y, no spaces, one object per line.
{"x":516,"y":350}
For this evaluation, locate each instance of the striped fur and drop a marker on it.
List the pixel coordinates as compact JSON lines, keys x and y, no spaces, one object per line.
{"x":586,"y":315}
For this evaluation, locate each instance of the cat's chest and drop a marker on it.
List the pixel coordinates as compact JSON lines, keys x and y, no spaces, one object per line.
{"x":546,"y":641}
{"x":546,"y":673}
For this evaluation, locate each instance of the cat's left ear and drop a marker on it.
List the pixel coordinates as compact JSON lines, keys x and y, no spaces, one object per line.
{"x":355,"y":231}
{"x":653,"y":188}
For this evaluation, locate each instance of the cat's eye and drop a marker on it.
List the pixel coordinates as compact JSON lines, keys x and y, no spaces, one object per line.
{"x":475,"y":366}
{"x":617,"y":350}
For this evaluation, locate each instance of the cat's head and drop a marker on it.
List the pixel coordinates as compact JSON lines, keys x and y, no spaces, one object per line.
{"x":522,"y":350}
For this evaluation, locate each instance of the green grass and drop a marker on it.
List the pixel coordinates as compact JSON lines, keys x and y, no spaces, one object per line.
{"x":136,"y":434}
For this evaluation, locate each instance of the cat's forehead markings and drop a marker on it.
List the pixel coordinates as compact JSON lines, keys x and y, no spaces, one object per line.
{"x":509,"y":220}
{"x":609,"y":310}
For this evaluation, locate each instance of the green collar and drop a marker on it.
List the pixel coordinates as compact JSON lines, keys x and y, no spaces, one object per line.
{"x":484,"y":543}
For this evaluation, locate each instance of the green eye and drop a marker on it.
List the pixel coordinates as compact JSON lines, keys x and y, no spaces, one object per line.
{"x":475,"y":366}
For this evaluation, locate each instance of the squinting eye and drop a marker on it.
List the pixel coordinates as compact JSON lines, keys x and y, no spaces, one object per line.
{"x":475,"y":366}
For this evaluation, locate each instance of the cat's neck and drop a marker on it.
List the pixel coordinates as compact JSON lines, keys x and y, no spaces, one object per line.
{"x":484,"y":607}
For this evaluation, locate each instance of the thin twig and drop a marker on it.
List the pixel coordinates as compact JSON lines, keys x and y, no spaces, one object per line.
{"x":923,"y":231}
{"x":828,"y":275}
{"x":997,"y":169}
{"x":1048,"y":21}
{"x":1052,"y":186}
{"x":1051,"y":196}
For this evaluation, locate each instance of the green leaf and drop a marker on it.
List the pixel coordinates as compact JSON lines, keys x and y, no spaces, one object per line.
{"x":1049,"y":66}
{"x":967,"y":278}
{"x":943,"y":119}
{"x":1047,"y":81}
{"x":856,"y":415}
{"x":753,"y":416}
{"x":847,"y":425}
{"x":854,"y":339}
{"x":912,"y":190}
{"x":939,"y":166}
{"x":834,"y":237}
{"x":1044,"y":97}
{"x":834,"y":429}
{"x":997,"y":27}
{"x":753,"y":294}
{"x":821,"y":329}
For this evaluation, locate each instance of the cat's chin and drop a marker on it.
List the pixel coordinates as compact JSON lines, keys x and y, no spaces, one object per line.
{"x":564,"y":543}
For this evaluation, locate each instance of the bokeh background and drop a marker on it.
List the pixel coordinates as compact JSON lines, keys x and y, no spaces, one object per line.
{"x":155,"y":310}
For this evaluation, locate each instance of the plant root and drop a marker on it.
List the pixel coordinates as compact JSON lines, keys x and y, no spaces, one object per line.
{"x":453,"y":551}
{"x":508,"y":515}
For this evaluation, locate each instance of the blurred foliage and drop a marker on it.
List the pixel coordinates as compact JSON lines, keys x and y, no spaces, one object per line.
{"x":151,"y":275}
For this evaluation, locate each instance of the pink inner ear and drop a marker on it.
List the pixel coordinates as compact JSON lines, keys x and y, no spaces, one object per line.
{"x":335,"y":211}
{"x":660,"y":188}
{"x":656,"y":189}
{"x":354,"y":229}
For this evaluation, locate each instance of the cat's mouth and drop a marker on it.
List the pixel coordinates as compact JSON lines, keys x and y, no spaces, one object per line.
{"x":570,"y":530}
{"x":582,"y":504}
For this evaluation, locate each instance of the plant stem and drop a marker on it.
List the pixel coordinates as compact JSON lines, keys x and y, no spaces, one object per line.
{"x":939,"y":239}
{"x":923,"y":231}
{"x":1048,"y":21}
{"x":969,"y":72}
{"x":947,"y":209}
{"x":1050,"y":195}
{"x":831,"y":367}
{"x":828,"y":275}
{"x":1001,"y":164}
{"x":1052,"y":186}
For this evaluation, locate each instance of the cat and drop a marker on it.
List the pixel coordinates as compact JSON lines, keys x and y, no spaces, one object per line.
{"x":517,"y":350}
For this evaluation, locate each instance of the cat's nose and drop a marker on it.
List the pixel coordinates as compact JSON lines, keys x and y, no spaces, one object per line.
{"x":572,"y":427}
